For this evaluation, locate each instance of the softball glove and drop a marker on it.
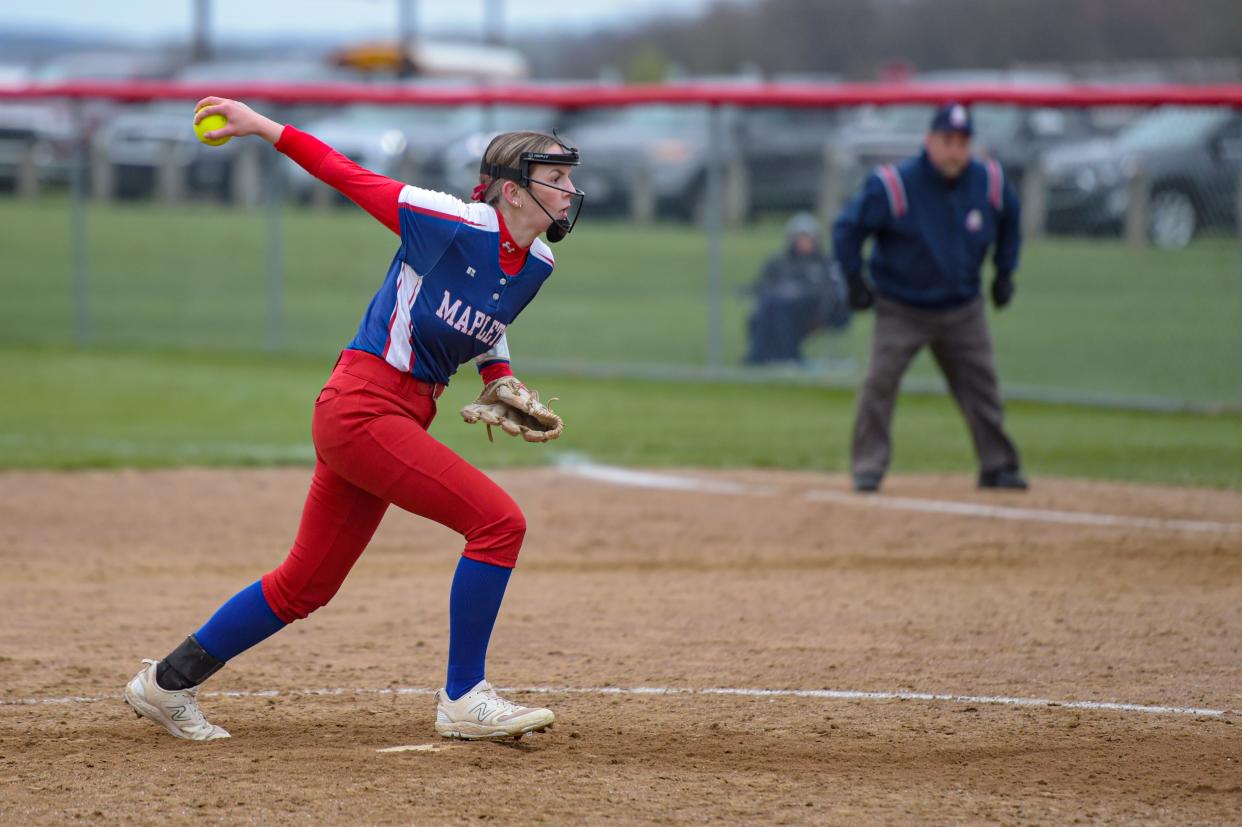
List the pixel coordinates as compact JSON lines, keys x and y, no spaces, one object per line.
{"x":515,"y":409}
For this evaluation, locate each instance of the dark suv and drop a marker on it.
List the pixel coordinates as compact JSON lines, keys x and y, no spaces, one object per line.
{"x":1191,"y":156}
{"x":1016,"y":136}
{"x":780,"y":149}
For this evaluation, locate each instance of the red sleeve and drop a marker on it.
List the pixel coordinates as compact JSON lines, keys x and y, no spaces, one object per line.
{"x":375,"y":193}
{"x":495,"y":370}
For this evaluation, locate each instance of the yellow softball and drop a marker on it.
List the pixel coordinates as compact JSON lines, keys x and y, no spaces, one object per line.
{"x":210,"y":124}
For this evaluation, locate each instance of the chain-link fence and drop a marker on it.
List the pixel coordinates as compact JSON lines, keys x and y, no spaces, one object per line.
{"x":120,"y":229}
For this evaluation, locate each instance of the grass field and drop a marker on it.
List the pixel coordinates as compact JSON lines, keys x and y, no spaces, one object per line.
{"x":1090,"y":315}
{"x":105,"y":408}
{"x":176,"y":374}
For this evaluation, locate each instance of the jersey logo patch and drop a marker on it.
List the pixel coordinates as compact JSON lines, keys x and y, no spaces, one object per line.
{"x":974,"y":221}
{"x":470,"y":271}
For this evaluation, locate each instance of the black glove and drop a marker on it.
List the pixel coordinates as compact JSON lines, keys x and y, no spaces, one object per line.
{"x":861,"y":296}
{"x":1002,"y":289}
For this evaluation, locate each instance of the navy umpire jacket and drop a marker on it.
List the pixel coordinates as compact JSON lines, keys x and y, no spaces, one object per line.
{"x":931,"y":234}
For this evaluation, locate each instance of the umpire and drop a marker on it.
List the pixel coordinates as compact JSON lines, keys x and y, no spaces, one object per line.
{"x":934,"y":217}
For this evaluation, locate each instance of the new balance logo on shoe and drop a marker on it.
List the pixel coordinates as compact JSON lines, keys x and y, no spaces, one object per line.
{"x":175,"y":710}
{"x":481,"y":713}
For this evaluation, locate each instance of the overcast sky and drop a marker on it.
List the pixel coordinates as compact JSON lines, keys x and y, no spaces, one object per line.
{"x":143,"y":19}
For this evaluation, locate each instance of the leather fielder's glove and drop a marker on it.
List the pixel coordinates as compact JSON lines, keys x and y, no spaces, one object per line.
{"x":515,"y":409}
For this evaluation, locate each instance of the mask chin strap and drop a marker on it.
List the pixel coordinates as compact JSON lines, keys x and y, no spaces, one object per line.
{"x":559,"y":227}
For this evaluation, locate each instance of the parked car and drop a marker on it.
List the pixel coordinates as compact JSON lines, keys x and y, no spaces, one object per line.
{"x":668,"y":144}
{"x":1016,"y":136}
{"x":106,"y":65}
{"x":1191,"y":157}
{"x":103,"y":66}
{"x":410,"y":142}
{"x":35,"y":130}
{"x":15,"y":75}
{"x":140,"y":138}
{"x":50,"y":127}
{"x":781,"y":151}
{"x":455,"y":167}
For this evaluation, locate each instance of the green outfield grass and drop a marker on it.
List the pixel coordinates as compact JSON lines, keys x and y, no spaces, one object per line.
{"x":1090,"y":315}
{"x":177,"y":372}
{"x":106,"y":408}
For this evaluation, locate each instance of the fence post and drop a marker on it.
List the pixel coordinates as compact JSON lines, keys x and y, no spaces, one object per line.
{"x":736,"y":191}
{"x":77,"y":228}
{"x":833,"y":168}
{"x":1034,"y":200}
{"x":102,"y":174}
{"x":320,"y":195}
{"x":642,"y":194}
{"x":1137,"y":208}
{"x":409,"y":169}
{"x":28,"y":171}
{"x":268,"y":165}
{"x":246,"y":175}
{"x":1238,"y":220}
{"x":169,"y":176}
{"x":713,"y":225}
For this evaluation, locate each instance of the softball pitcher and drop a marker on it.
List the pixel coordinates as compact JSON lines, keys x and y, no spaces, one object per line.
{"x":462,"y":274}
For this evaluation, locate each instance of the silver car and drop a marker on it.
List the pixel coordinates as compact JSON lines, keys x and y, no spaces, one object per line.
{"x":143,"y":138}
{"x":420,"y":144}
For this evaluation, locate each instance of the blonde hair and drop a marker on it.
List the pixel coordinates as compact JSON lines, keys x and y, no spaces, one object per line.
{"x":506,"y":150}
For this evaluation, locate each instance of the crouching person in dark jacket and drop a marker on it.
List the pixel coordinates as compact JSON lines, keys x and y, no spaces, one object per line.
{"x":934,"y":217}
{"x":798,"y":292}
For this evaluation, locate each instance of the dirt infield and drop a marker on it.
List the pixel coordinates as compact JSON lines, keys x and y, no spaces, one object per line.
{"x":757,"y":587}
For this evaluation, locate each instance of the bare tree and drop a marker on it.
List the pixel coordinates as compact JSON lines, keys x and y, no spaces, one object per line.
{"x":856,"y":37}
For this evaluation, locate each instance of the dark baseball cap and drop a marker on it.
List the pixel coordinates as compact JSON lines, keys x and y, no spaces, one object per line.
{"x":952,"y":117}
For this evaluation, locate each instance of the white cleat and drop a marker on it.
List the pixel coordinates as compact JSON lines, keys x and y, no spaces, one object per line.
{"x":481,"y":713}
{"x":176,"y":711}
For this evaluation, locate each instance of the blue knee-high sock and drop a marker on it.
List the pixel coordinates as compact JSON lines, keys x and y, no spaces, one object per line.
{"x":243,"y":621}
{"x":474,"y":602}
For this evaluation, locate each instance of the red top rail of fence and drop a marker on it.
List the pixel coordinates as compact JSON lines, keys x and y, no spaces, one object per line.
{"x":579,"y":96}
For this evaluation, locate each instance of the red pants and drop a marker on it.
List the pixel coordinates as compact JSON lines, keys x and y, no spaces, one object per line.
{"x":372,"y":448}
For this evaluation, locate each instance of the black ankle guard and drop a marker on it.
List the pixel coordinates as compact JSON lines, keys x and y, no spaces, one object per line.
{"x":186,"y":666}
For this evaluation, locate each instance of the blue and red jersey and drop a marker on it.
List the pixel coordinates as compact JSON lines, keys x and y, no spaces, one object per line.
{"x":456,"y":283}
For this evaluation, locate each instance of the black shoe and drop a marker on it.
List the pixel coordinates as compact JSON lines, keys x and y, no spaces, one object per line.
{"x":1003,"y":478}
{"x":867,"y":483}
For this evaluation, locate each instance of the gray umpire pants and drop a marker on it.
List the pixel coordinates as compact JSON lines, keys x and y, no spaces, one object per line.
{"x":962,"y":345}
